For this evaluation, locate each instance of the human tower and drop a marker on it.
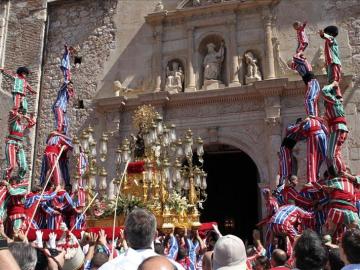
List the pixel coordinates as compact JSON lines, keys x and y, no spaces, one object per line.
{"x":48,"y":205}
{"x":327,"y":204}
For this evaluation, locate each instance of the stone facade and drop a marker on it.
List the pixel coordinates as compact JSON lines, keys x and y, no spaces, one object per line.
{"x":127,"y":41}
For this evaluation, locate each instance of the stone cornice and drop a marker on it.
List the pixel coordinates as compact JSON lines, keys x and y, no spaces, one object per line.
{"x":158,"y":18}
{"x":256,"y":91}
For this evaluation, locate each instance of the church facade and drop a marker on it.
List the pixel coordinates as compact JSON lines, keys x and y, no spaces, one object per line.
{"x":218,"y":67}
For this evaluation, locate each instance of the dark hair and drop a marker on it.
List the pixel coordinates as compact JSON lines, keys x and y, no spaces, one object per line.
{"x":21,"y":70}
{"x":140,"y":229}
{"x":298,"y":120}
{"x":159,"y":248}
{"x":279,"y":257}
{"x":42,"y":260}
{"x":331,"y":30}
{"x":99,"y":259}
{"x":351,"y":244}
{"x":334,"y":259}
{"x":142,"y":265}
{"x":182,"y":253}
{"x":309,"y":252}
{"x":263,"y":261}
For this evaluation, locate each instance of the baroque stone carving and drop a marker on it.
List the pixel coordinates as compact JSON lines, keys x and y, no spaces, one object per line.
{"x":281,"y":66}
{"x":174,"y":77}
{"x":318,"y":62}
{"x":159,"y":7}
{"x":252,"y":68}
{"x":212,"y":66}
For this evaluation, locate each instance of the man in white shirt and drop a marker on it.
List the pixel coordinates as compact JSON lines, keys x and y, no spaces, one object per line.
{"x":139,"y":233}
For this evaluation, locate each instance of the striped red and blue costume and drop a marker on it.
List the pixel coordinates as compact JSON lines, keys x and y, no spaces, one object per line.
{"x":302,"y":38}
{"x":332,"y":60}
{"x":316,"y":133}
{"x":3,"y":202}
{"x":319,"y":195}
{"x":14,"y":149}
{"x":292,"y":196}
{"x":192,"y":247}
{"x":19,"y":91}
{"x":173,"y":248}
{"x":60,"y":106}
{"x":65,"y":65}
{"x":302,"y":66}
{"x":15,"y":206}
{"x":342,"y":202}
{"x":31,"y":201}
{"x":54,"y":144}
{"x":292,"y":136}
{"x":286,"y":221}
{"x":335,"y":116}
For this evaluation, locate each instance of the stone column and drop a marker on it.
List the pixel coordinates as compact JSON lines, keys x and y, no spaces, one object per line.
{"x":269,"y":51}
{"x":158,"y":57}
{"x":233,"y":55}
{"x":273,"y":129}
{"x":190,"y":61}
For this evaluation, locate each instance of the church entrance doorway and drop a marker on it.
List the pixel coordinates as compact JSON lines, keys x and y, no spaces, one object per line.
{"x":233,"y":196}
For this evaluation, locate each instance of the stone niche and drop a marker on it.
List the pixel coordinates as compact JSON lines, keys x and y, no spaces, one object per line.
{"x":212,"y":64}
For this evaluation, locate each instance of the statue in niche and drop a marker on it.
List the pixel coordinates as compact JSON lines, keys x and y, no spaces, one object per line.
{"x":318,"y":62}
{"x":174,"y":78}
{"x":212,"y":62}
{"x":252,"y":69}
{"x":159,"y":7}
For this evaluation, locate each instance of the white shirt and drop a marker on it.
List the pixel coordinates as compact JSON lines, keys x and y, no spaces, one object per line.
{"x":131,"y":259}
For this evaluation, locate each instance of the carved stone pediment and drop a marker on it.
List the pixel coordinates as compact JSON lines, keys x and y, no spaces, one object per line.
{"x":198,"y":3}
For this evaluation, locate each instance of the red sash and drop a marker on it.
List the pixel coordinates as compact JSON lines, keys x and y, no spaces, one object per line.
{"x":52,"y":149}
{"x":337,"y":120}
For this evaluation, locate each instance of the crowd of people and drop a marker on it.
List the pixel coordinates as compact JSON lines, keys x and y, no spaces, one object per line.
{"x":141,"y":246}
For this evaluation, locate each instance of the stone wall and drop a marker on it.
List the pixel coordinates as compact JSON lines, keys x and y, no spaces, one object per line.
{"x":24,"y":25}
{"x":90,"y":26}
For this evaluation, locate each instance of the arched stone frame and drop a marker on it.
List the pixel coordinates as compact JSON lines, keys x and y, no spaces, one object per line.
{"x":259,"y":161}
{"x":180,"y":58}
{"x":200,"y":57}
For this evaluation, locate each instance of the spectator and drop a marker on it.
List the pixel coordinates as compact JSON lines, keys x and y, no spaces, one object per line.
{"x":350,"y":249}
{"x":229,"y":251}
{"x":278,"y":259}
{"x":262,"y":263}
{"x":206,"y":263}
{"x":157,"y":263}
{"x":334,"y":260}
{"x":24,"y":254}
{"x":139,"y":233}
{"x":159,"y":248}
{"x":309,"y":252}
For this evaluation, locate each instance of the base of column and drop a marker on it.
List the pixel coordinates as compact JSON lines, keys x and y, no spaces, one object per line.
{"x":234,"y":84}
{"x":190,"y":89}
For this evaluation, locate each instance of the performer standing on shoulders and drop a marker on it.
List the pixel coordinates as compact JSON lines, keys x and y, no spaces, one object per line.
{"x":301,"y":37}
{"x":21,"y":86}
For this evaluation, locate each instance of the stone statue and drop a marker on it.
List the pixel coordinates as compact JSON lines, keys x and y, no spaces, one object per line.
{"x":252,"y":69}
{"x":318,"y":62}
{"x":213,"y":61}
{"x":174,"y":78}
{"x":196,"y":3}
{"x":159,"y":7}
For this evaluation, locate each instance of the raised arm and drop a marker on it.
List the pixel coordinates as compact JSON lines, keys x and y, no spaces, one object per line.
{"x":8,"y":73}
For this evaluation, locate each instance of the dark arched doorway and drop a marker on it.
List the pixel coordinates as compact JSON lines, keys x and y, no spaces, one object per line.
{"x":232,"y":189}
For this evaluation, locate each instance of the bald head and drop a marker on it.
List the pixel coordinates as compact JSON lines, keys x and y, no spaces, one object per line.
{"x":278,"y":257}
{"x":157,"y":263}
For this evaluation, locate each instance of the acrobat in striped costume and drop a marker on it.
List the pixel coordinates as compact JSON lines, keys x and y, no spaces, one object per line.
{"x":302,"y":66}
{"x":286,"y":158}
{"x":315,"y":132}
{"x":338,"y":131}
{"x":54,"y":144}
{"x":301,"y":37}
{"x":286,"y":221}
{"x":60,"y":106}
{"x":20,"y":88}
{"x":14,"y":149}
{"x":332,"y":56}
